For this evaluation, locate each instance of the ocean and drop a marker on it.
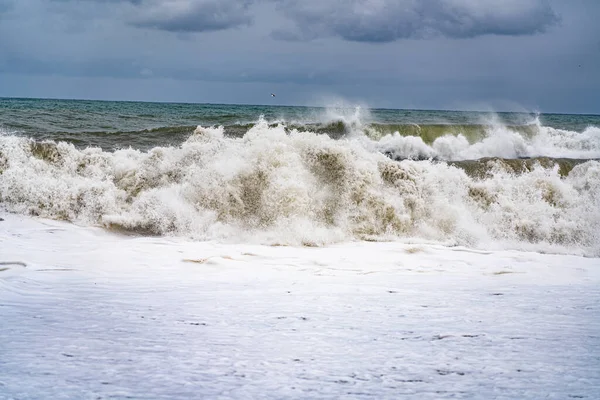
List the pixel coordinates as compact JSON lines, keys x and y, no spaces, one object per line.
{"x":306,"y":176}
{"x":173,"y":251}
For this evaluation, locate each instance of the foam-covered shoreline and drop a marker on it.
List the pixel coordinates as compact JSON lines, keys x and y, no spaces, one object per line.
{"x":86,"y":313}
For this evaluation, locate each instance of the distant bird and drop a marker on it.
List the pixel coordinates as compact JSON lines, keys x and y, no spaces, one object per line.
{"x":272,"y":94}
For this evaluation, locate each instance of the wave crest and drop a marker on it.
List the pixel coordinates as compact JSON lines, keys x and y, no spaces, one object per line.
{"x":280,"y":187}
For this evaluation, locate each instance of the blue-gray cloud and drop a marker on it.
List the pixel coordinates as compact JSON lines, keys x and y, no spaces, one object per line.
{"x":6,"y":5}
{"x":100,"y":1}
{"x":124,"y":68}
{"x":351,"y":20}
{"x":390,"y":20}
{"x":140,"y":49}
{"x":192,"y":15}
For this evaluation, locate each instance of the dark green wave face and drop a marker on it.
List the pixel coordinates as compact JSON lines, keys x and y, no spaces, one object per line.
{"x":429,"y":133}
{"x":174,"y":135}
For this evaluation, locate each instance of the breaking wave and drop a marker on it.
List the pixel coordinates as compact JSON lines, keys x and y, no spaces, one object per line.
{"x":285,"y":186}
{"x":496,"y":141}
{"x":452,"y":142}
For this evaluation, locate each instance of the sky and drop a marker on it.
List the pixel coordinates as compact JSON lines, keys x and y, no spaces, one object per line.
{"x":502,"y":55}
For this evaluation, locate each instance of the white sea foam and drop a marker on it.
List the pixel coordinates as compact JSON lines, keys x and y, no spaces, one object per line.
{"x":5,"y":132}
{"x":500,"y":141}
{"x":292,"y":188}
{"x":168,"y":317}
{"x":88,"y":314}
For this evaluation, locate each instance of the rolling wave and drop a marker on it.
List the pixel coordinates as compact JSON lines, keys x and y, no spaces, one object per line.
{"x":398,"y":141}
{"x":280,"y":184}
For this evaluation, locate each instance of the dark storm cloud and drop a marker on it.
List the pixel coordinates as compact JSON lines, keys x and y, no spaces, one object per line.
{"x":390,"y":20}
{"x":164,"y":15}
{"x":402,"y":53}
{"x":192,"y":15}
{"x":351,"y":20}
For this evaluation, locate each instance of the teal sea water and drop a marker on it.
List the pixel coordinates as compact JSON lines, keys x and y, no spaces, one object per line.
{"x":112,"y":124}
{"x":306,"y":175}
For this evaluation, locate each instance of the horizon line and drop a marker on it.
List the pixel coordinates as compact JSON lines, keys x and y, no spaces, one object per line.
{"x":293,"y":106}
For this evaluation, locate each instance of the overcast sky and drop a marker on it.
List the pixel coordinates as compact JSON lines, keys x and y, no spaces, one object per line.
{"x":535,"y":55}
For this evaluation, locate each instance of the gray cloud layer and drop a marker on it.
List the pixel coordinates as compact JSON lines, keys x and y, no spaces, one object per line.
{"x":389,"y":20}
{"x":192,"y":15}
{"x":351,"y":20}
{"x":429,"y":53}
{"x":6,"y":5}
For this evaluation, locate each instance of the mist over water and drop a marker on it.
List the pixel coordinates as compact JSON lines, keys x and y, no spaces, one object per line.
{"x":301,"y":176}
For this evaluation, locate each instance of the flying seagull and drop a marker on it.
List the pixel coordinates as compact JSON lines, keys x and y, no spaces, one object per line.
{"x":272,"y":94}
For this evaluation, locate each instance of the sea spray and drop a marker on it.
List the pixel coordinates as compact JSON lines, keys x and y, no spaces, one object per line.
{"x":277,"y":186}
